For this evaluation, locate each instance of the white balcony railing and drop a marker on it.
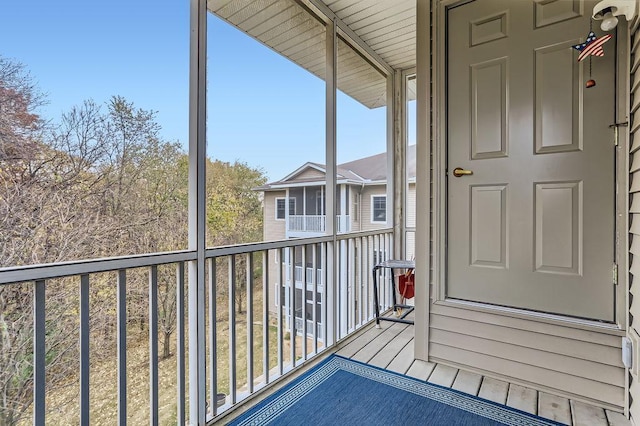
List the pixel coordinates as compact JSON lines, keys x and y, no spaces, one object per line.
{"x":300,"y":326}
{"x":308,"y":276}
{"x":236,"y":313}
{"x":317,"y":223}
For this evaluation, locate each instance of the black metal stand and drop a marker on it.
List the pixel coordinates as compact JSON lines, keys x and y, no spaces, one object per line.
{"x":407,"y":309}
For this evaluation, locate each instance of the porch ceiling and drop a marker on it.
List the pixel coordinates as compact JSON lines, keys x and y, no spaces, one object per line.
{"x":387,"y":28}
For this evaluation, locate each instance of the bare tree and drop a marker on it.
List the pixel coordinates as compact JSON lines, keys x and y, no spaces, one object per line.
{"x":101,"y":183}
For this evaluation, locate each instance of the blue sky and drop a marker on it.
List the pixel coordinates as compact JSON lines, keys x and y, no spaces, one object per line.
{"x":262,"y":109}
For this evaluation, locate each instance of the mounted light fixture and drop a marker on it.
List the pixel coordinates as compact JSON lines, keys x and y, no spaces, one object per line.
{"x":607,"y":11}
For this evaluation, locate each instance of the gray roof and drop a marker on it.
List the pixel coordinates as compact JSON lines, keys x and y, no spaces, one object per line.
{"x":368,"y":170}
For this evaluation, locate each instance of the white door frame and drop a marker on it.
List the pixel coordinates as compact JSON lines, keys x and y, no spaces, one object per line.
{"x":439,"y":234}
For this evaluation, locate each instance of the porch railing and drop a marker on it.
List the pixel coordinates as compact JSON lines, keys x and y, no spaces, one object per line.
{"x":300,"y":326}
{"x":308,"y":275}
{"x":317,"y":223}
{"x":247,"y":346}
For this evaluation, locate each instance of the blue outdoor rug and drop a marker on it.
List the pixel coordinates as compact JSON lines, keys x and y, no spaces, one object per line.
{"x":341,"y":391}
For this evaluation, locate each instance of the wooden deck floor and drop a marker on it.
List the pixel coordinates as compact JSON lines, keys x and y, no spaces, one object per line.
{"x":392,"y":348}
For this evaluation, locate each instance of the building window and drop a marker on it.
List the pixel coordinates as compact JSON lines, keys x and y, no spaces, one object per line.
{"x":280,"y":203}
{"x":378,"y":208}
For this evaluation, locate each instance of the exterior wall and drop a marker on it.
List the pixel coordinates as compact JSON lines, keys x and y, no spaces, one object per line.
{"x":310,"y":174}
{"x":273,"y":230}
{"x":558,"y":357}
{"x":634,"y":216}
{"x":580,"y":364}
{"x":365,"y":210}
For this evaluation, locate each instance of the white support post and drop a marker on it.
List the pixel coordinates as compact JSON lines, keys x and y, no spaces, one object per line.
{"x":304,"y":207}
{"x":400,"y":166}
{"x":286,"y":214}
{"x":343,"y":281}
{"x":331,"y":169}
{"x":197,"y":209}
{"x":391,"y":163}
{"x":423,"y":190}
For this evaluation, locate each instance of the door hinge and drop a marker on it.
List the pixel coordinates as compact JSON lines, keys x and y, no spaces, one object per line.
{"x":615,"y":274}
{"x":616,"y":133}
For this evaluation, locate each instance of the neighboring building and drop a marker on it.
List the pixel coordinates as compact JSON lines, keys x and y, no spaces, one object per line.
{"x":294,"y":207}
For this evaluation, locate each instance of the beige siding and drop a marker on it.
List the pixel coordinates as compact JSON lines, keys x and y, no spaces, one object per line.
{"x":309,"y":174}
{"x":274,"y":229}
{"x":367,"y":192}
{"x":575,"y":363}
{"x":634,"y":237}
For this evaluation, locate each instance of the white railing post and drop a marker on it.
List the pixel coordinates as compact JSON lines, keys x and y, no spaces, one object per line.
{"x":213,"y":333}
{"x":232,"y":329}
{"x":265,"y":315}
{"x":249,"y":305}
{"x":343,"y":285}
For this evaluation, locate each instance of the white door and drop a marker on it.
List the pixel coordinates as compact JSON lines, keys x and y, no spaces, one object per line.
{"x":533,"y":226}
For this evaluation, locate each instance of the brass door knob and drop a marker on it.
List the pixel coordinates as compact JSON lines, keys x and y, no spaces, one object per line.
{"x":459,"y":172}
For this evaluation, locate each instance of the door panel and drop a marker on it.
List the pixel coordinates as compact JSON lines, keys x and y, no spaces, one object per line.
{"x":558,"y":227}
{"x":558,"y":100}
{"x":489,"y":109}
{"x":489,"y":226}
{"x":533,"y":226}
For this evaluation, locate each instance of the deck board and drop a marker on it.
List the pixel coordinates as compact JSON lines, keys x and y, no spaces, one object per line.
{"x":467,"y":382}
{"x":421,"y":369}
{"x":372,"y":348}
{"x":521,"y":398}
{"x":616,"y":419}
{"x":554,"y":407}
{"x":443,"y":375}
{"x":403,"y":360}
{"x":587,"y":415}
{"x":358,"y":343}
{"x":494,"y":390}
{"x":384,"y":357}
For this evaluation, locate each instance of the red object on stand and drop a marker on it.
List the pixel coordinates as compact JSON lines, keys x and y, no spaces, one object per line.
{"x":406,"y":285}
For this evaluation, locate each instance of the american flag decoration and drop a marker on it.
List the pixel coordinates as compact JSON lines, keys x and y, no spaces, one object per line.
{"x":592,"y":46}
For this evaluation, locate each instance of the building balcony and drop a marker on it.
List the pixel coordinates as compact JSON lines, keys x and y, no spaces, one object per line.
{"x":307,"y":225}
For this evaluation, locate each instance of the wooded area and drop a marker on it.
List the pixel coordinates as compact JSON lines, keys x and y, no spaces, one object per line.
{"x":99,"y":182}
